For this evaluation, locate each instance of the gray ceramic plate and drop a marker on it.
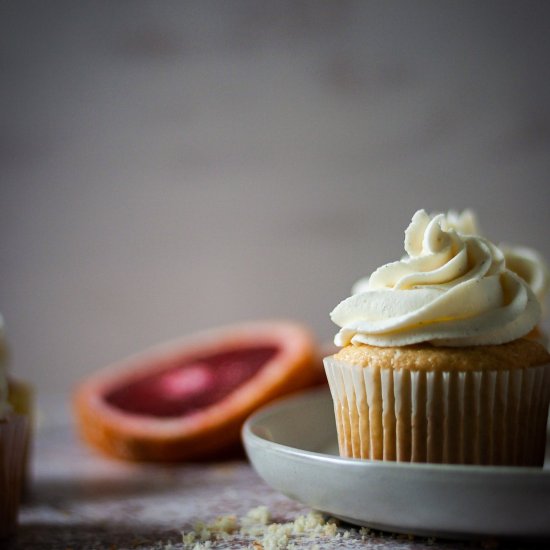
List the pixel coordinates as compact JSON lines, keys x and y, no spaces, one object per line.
{"x":292,"y":445}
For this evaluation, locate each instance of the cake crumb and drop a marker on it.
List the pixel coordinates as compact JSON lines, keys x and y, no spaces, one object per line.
{"x":256,"y":524}
{"x":364,"y":532}
{"x":260,"y":515}
{"x":188,"y":538}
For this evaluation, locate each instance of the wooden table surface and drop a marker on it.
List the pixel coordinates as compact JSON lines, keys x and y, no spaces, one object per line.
{"x":81,"y":500}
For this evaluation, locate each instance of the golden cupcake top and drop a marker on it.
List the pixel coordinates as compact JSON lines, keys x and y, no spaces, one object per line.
{"x":521,"y":353}
{"x":452,"y":288}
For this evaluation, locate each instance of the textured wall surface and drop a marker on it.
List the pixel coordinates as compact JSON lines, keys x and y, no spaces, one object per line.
{"x":167,"y":167}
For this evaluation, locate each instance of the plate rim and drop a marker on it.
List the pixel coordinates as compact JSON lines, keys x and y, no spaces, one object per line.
{"x":283,"y":466}
{"x":250,"y":437}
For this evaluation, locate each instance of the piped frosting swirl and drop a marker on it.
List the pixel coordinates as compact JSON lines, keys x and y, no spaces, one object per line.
{"x":523,"y":261}
{"x":450,"y":289}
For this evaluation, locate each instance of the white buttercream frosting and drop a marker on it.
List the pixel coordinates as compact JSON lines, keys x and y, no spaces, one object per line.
{"x":450,"y":289}
{"x":530,"y":266}
{"x":464,"y":222}
{"x":523,"y":261}
{"x":4,"y":405}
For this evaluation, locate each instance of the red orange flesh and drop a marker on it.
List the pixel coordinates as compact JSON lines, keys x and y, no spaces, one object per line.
{"x":189,"y":398}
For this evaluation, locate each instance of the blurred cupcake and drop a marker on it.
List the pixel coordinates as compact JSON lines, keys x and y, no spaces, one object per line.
{"x":14,"y":429}
{"x":21,"y":400}
{"x":434,"y":366}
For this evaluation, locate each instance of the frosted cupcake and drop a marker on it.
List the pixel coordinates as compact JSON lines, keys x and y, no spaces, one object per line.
{"x":433,"y":365}
{"x":13,"y":443}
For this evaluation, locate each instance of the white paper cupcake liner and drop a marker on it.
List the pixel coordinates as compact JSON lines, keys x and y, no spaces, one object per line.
{"x":471,"y":417}
{"x":13,"y":442}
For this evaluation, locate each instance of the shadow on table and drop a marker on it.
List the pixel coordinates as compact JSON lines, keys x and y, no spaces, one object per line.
{"x":87,"y":535}
{"x":122,"y":485}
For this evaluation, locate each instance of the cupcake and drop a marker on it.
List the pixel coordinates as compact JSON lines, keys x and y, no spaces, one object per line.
{"x":434,"y":366}
{"x":13,"y":444}
{"x":21,"y":401}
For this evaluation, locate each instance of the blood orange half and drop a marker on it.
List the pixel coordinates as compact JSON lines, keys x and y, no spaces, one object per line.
{"x":188,"y":399}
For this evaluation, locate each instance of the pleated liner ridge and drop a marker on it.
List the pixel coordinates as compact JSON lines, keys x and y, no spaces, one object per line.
{"x":493,"y":417}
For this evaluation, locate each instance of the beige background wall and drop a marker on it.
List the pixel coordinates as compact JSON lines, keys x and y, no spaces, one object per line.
{"x":171,"y":166}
